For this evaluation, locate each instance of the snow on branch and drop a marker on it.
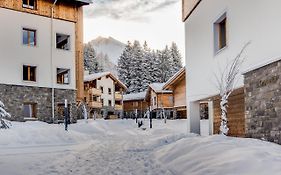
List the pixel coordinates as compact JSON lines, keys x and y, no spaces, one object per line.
{"x":226,"y":82}
{"x":4,"y":124}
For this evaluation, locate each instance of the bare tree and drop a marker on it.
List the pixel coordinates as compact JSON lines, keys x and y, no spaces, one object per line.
{"x":4,"y":124}
{"x":225,"y":83}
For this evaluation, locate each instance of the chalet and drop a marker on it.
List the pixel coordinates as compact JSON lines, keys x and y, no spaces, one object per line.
{"x":103,"y":94}
{"x":215,"y":32}
{"x":177,"y":85}
{"x":160,"y":100}
{"x":135,"y":104}
{"x":41,"y":57}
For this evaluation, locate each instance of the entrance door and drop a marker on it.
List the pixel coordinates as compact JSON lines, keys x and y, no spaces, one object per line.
{"x":204,"y":119}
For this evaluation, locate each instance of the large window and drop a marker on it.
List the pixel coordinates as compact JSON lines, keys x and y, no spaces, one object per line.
{"x":62,"y":41}
{"x":109,"y":91}
{"x":29,"y":37}
{"x":31,"y":4}
{"x":29,"y":73}
{"x":220,"y":33}
{"x":63,"y":76}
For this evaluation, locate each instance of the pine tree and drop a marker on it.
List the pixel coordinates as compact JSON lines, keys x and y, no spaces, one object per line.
{"x":136,"y":70}
{"x":176,"y":63}
{"x":155,"y":70}
{"x":90,"y":59}
{"x":146,"y":66}
{"x":124,"y":63}
{"x":165,"y":64}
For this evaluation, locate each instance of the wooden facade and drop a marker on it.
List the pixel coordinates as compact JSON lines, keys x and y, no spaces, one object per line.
{"x":71,"y":11}
{"x":187,"y":7}
{"x":236,"y":114}
{"x":132,"y":105}
{"x":177,"y":84}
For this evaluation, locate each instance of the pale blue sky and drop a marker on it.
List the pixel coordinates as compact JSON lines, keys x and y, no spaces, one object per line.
{"x":156,"y":21}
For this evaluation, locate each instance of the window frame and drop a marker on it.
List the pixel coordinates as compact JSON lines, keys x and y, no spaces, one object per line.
{"x":68,"y":38}
{"x":29,"y":73}
{"x":217,"y":32}
{"x":34,"y":110}
{"x":69,"y":76}
{"x":28,"y":6}
{"x":29,"y":30}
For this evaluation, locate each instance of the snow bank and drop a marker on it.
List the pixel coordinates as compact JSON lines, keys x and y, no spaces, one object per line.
{"x":219,"y":155}
{"x":38,"y":133}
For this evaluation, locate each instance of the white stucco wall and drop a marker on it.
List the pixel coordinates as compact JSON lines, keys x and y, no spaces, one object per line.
{"x":257,"y":21}
{"x":13,"y":54}
{"x":107,"y":83}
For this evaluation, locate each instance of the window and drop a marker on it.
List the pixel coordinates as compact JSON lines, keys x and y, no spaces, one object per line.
{"x":220,"y":38}
{"x":29,"y":73}
{"x":95,"y":98}
{"x":102,"y":102}
{"x":109,"y":91}
{"x":85,"y":99}
{"x":154,"y":100}
{"x":62,"y":41}
{"x":109,"y":103}
{"x":63,"y":76}
{"x":29,"y":110}
{"x":29,"y":37}
{"x":30,"y":4}
{"x":101,"y":88}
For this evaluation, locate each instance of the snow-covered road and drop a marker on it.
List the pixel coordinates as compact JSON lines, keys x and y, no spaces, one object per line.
{"x":120,"y":148}
{"x":111,"y":148}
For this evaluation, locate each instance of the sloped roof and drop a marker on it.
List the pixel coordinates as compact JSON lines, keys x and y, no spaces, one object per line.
{"x":95,"y":76}
{"x":134,"y":96}
{"x":174,"y":78}
{"x":158,"y":88}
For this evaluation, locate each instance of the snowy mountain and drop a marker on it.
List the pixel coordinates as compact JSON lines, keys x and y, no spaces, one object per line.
{"x":108,"y":46}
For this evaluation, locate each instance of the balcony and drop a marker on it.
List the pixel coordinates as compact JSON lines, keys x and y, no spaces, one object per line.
{"x":95,"y":91}
{"x":118,"y":96}
{"x":95,"y":104}
{"x":118,"y":107}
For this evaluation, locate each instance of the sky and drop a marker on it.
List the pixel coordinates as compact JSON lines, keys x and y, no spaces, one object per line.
{"x":156,"y":21}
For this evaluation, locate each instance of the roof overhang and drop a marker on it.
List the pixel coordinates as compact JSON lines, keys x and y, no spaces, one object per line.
{"x":188,"y":6}
{"x":174,"y":79}
{"x":78,"y":2}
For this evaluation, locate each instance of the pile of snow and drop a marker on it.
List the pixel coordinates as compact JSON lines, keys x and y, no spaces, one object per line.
{"x":215,"y":155}
{"x":38,"y":134}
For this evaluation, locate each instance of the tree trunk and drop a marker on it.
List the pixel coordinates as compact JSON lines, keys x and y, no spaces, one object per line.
{"x":223,"y":104}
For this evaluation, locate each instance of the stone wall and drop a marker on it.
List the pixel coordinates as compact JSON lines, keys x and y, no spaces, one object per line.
{"x":263,"y":102}
{"x":14,"y":97}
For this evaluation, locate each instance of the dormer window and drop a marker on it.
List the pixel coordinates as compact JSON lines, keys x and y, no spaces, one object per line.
{"x":30,"y":4}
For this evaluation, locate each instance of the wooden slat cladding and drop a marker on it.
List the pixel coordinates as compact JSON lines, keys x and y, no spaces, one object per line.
{"x":79,"y":59}
{"x":63,"y":11}
{"x":180,"y":93}
{"x":187,"y":7}
{"x":165,"y":100}
{"x":236,"y":114}
{"x":130,"y":106}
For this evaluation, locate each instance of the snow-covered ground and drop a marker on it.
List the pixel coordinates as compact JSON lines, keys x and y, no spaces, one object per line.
{"x":118,"y":147}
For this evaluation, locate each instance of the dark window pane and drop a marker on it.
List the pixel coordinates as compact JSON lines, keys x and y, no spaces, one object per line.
{"x":24,"y":2}
{"x":25,"y":37}
{"x":32,"y":38}
{"x":25,"y":73}
{"x":62,"y":41}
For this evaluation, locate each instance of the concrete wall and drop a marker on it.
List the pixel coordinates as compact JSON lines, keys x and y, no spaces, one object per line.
{"x":107,"y":83}
{"x":256,"y":21}
{"x":14,"y":54}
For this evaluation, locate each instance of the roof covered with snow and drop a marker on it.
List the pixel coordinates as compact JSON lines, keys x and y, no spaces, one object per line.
{"x":92,"y":77}
{"x":134,"y":96}
{"x":158,"y":88}
{"x":95,"y":76}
